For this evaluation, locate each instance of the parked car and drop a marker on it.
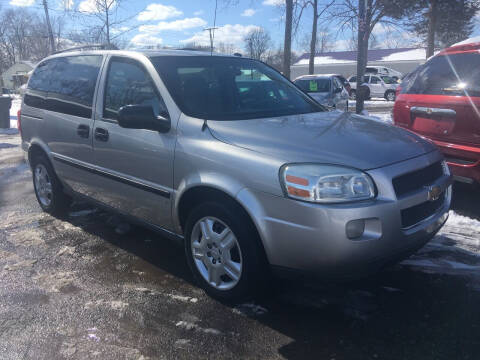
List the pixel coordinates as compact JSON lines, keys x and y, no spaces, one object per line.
{"x":344,"y":82}
{"x":229,"y":157}
{"x":441,"y":101}
{"x":379,"y":86}
{"x":328,"y":90}
{"x":382,"y":70}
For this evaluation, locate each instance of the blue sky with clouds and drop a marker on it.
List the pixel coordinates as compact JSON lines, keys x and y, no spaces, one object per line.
{"x":180,"y":22}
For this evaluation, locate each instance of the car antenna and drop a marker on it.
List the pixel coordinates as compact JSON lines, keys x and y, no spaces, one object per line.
{"x":205,"y":125}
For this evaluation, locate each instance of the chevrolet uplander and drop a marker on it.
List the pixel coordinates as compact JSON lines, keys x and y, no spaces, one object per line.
{"x":231,"y":158}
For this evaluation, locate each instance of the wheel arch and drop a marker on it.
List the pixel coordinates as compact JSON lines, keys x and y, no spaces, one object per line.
{"x":197,"y":194}
{"x":37,"y":148}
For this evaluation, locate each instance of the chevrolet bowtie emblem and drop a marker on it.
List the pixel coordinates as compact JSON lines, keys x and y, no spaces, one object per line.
{"x":429,"y":111}
{"x":434,"y":192}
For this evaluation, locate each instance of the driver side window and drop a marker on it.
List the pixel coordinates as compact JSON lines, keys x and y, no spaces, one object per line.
{"x":128,"y":83}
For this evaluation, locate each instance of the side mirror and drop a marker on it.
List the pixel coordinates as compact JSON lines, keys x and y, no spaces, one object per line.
{"x":142,"y":117}
{"x":338,"y":90}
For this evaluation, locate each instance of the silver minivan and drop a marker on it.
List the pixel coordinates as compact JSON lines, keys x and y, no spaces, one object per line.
{"x":231,"y":158}
{"x":325,"y":89}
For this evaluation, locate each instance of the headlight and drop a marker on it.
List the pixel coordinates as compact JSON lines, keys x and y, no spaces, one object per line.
{"x":325,"y":183}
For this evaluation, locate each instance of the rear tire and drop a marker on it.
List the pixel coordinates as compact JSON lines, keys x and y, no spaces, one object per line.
{"x":232,"y":272}
{"x":48,"y":189}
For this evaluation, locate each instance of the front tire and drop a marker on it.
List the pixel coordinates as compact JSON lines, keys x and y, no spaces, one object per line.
{"x":353,"y":95}
{"x":390,"y":96}
{"x":223,"y":251}
{"x":48,"y":189}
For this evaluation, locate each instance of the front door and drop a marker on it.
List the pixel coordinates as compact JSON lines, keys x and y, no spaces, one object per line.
{"x":135,"y":166}
{"x":377,"y":87}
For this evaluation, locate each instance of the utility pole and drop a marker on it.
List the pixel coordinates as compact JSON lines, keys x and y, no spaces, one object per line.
{"x":211,"y":31}
{"x":49,"y":27}
{"x":362,"y":49}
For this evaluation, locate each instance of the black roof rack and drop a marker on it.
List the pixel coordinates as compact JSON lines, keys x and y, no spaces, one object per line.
{"x":88,"y":47}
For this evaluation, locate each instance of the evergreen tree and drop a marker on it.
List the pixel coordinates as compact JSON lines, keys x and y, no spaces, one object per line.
{"x":452,"y":20}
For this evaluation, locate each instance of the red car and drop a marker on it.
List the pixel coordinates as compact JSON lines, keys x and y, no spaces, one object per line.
{"x":440,"y":100}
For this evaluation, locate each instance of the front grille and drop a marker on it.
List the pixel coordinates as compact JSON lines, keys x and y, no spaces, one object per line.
{"x":417,"y":179}
{"x":417,"y":213}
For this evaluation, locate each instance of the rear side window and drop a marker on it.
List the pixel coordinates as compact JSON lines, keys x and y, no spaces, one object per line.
{"x":128,"y":83}
{"x":457,"y":74}
{"x":71,"y":84}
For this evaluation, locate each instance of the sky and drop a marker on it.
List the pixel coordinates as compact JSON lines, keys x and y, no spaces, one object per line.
{"x":182,"y":22}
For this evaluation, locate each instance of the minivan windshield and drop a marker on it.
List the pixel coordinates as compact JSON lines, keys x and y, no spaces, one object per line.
{"x":229,"y":88}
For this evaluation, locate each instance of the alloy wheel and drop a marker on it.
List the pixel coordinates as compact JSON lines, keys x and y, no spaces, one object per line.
{"x":216,"y":253}
{"x":43,"y":185}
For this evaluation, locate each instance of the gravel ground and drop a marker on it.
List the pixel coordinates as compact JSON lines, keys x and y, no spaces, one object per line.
{"x":93,"y":287}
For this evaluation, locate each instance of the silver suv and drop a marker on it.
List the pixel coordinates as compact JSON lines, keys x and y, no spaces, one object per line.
{"x":378,"y":85}
{"x":228,"y":156}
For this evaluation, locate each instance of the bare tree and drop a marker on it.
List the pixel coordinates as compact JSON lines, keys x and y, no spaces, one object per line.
{"x":225,"y":48}
{"x":362,"y":16}
{"x":106,"y":23}
{"x":313,"y":41}
{"x":257,"y":43}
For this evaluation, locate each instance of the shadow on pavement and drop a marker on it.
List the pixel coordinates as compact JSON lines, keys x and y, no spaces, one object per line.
{"x":466,"y":200}
{"x":398,"y":314}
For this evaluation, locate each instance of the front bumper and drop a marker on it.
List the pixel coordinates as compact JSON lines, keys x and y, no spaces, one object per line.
{"x":312,"y":237}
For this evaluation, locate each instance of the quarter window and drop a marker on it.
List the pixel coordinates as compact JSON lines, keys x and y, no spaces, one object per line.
{"x":128,"y":83}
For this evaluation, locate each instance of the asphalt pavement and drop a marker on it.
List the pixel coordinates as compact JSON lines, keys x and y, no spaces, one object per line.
{"x":94,"y":287}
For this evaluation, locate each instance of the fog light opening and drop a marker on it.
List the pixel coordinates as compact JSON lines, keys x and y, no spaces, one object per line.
{"x":355,"y":228}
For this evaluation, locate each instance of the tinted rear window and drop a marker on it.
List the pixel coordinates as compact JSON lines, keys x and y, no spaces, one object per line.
{"x":457,"y":74}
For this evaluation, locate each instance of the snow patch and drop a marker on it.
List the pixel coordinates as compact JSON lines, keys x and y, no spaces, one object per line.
{"x":183,"y":298}
{"x":382,"y":117}
{"x":414,"y":54}
{"x":249,"y":309}
{"x":11,"y":131}
{"x":192,"y":326}
{"x":319,"y":60}
{"x":82,"y":212}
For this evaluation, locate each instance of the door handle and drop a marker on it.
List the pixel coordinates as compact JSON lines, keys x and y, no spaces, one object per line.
{"x":101,"y":134}
{"x":83,"y":131}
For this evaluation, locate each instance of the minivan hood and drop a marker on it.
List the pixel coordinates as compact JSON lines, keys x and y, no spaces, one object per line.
{"x":326,"y":137}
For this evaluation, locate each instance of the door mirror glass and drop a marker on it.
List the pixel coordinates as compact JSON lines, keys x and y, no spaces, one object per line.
{"x":142,"y":117}
{"x":338,"y":90}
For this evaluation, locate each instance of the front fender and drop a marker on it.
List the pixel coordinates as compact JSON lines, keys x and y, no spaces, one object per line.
{"x":219,"y":181}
